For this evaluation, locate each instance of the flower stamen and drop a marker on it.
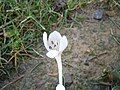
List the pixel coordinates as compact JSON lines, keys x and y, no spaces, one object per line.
{"x":50,"y":47}
{"x":54,"y":45}
{"x":52,"y":42}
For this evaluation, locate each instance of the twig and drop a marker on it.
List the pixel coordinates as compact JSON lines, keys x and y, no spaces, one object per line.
{"x":65,"y":63}
{"x":114,"y":23}
{"x":12,"y":82}
{"x":35,"y":67}
{"x":102,"y":83}
{"x":111,"y":32}
{"x":53,"y":74}
{"x":97,"y":56}
{"x":37,"y":53}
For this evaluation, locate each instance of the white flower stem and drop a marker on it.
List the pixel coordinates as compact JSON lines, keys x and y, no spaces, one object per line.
{"x":59,"y":62}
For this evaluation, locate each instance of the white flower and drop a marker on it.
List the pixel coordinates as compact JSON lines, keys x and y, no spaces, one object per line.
{"x":55,"y":44}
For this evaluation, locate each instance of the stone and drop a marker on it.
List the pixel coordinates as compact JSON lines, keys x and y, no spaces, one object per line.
{"x":98,"y":14}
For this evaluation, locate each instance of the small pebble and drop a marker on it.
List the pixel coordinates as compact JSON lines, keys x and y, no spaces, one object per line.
{"x":98,"y":14}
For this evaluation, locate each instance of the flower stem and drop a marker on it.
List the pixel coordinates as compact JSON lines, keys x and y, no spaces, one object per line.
{"x":59,"y":62}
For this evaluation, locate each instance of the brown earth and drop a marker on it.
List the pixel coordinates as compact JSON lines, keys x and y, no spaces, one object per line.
{"x":91,"y":50}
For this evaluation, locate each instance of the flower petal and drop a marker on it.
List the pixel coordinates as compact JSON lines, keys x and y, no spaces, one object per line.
{"x":54,"y":36}
{"x":45,"y":41}
{"x":52,"y":53}
{"x":63,"y":43}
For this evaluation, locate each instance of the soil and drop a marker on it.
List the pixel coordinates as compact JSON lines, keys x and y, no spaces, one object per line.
{"x":91,"y":50}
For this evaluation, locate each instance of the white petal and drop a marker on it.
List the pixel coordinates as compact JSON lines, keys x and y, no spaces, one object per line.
{"x":52,"y":53}
{"x":45,"y":41}
{"x":63,"y":43}
{"x":54,"y":36}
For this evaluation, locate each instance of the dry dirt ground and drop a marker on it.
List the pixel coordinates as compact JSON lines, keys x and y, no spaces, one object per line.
{"x":91,"y":50}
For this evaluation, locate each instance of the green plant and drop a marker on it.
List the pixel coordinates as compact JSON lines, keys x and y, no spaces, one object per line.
{"x":21,"y":26}
{"x":111,"y":78}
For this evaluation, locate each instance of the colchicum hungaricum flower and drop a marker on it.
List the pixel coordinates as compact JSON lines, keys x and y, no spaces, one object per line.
{"x":55,"y":44}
